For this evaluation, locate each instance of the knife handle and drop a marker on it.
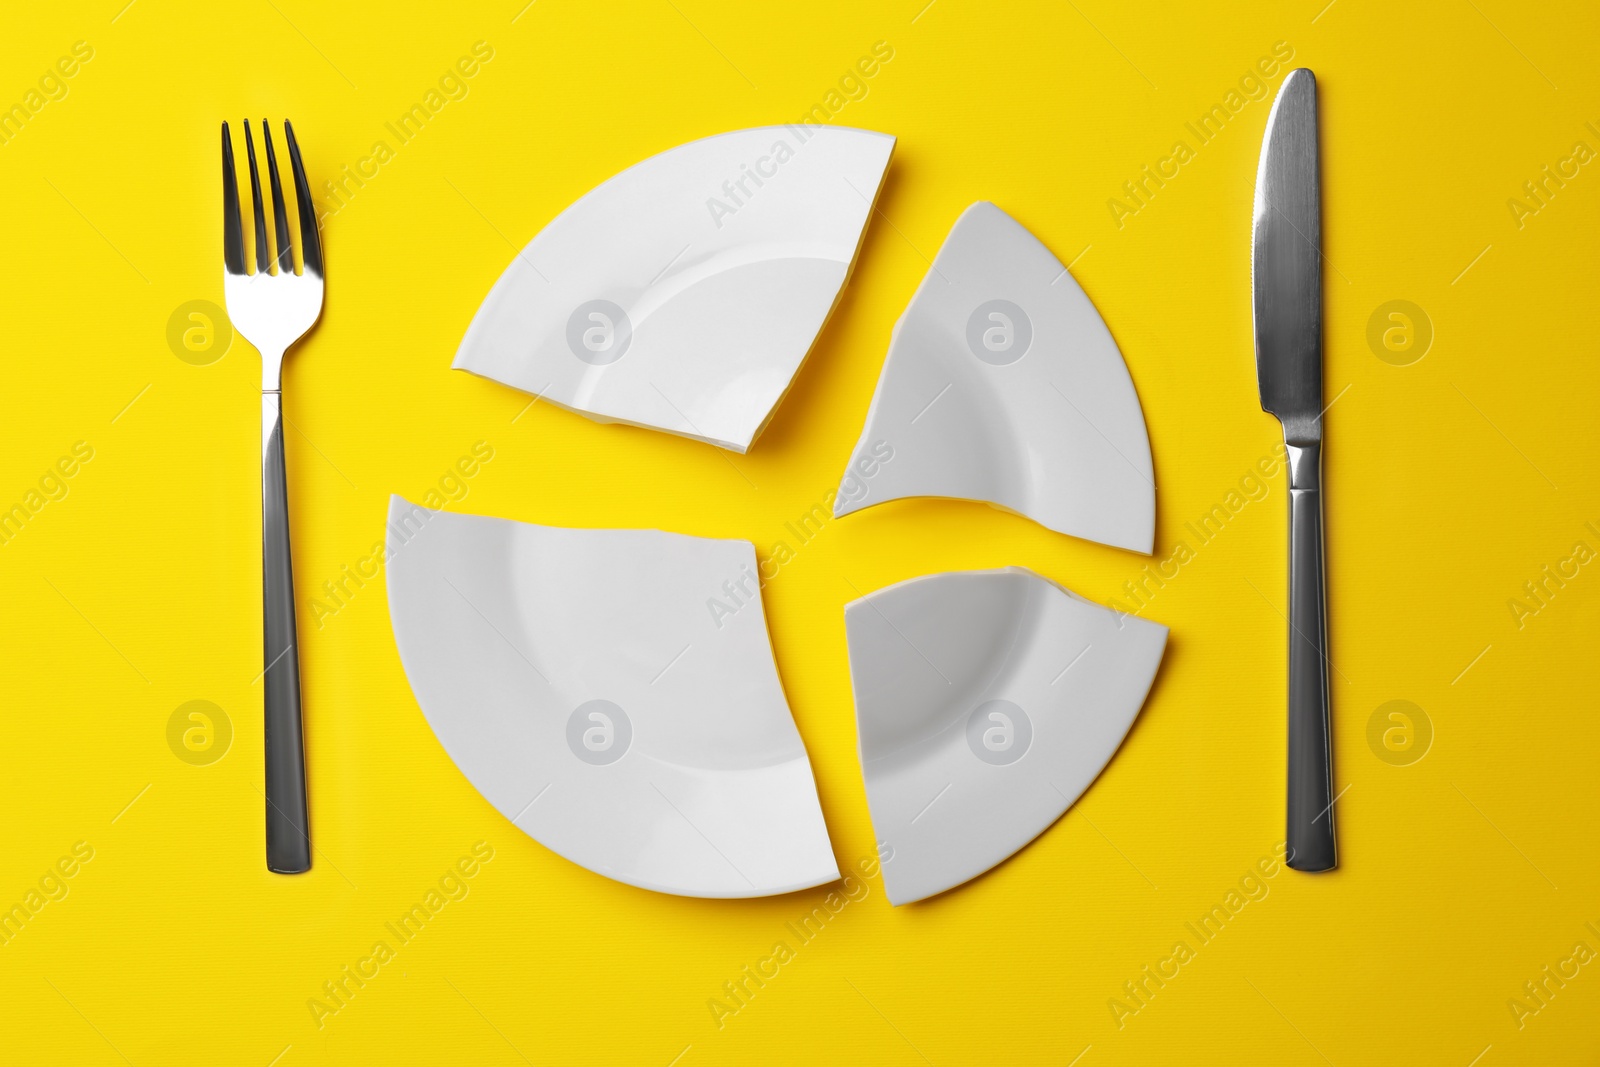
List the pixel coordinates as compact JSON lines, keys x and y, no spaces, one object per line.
{"x":1310,"y":835}
{"x":288,"y":842}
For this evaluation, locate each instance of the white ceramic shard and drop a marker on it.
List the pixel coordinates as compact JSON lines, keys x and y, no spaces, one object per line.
{"x":581,"y":682}
{"x":986,"y":703}
{"x":683,"y":293}
{"x":1002,"y":384}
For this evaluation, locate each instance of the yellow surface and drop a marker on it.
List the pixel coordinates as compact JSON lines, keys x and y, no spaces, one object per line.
{"x":1451,"y":482}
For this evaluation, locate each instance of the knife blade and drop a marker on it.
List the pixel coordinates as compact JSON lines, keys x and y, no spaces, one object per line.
{"x":1286,"y":287}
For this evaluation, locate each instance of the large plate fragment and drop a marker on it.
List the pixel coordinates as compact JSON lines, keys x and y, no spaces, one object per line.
{"x":581,"y":682}
{"x":684,"y":293}
{"x":986,"y":703}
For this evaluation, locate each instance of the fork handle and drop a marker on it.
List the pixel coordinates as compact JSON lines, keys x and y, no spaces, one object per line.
{"x":1310,"y":830}
{"x":288,"y":836}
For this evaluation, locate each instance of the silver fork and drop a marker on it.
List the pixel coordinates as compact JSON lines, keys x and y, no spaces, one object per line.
{"x":272,"y":310}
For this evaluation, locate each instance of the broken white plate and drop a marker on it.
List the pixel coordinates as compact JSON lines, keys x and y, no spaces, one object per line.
{"x":1003,"y":385}
{"x":986,"y":703}
{"x":582,"y":682}
{"x":684,"y":293}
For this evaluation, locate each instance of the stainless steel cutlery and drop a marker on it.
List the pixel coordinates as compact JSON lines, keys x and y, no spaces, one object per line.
{"x":272,"y":308}
{"x":1286,"y":281}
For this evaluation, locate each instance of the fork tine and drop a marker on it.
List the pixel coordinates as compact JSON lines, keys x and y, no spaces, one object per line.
{"x":232,"y":227}
{"x":280,"y":218}
{"x":311,"y":244}
{"x":262,"y":255}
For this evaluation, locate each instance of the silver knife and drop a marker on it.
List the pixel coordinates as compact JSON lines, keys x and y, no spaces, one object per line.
{"x":1286,"y":281}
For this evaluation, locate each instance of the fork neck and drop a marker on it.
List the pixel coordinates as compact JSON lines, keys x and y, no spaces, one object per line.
{"x":271,"y":425}
{"x":271,"y":372}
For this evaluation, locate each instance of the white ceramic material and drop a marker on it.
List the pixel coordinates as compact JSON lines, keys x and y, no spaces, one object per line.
{"x":986,"y":703}
{"x":581,"y":682}
{"x":684,"y":293}
{"x":1002,"y":384}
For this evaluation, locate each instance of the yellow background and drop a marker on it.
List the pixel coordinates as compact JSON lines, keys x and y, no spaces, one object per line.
{"x":1450,"y":482}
